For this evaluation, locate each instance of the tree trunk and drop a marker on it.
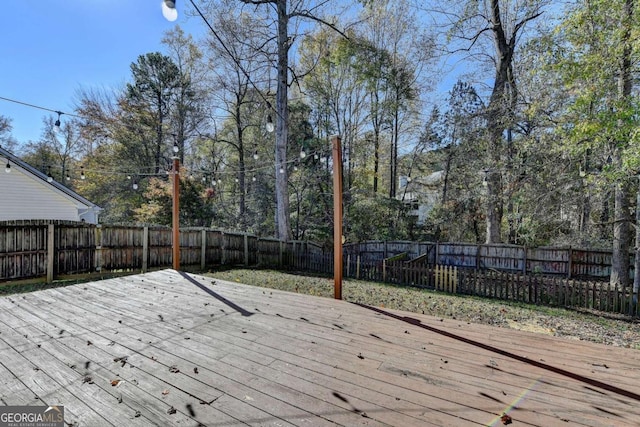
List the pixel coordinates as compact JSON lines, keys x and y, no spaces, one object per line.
{"x":282,"y":125}
{"x":621,"y":237}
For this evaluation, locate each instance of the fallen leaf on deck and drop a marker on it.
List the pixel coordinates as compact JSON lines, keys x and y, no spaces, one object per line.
{"x":171,"y":411}
{"x":165,"y":392}
{"x":115,"y":382}
{"x":506,"y":419}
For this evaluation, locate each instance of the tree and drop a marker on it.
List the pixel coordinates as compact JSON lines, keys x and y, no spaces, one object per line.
{"x":598,"y":70}
{"x":6,"y":140}
{"x":299,"y":10}
{"x":147,"y":108}
{"x":499,"y":22}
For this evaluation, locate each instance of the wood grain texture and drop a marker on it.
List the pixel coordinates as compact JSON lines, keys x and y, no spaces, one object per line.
{"x":169,"y":348}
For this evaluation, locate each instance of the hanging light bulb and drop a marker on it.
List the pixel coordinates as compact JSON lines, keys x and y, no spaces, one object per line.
{"x":302,"y":154}
{"x":135,"y":185}
{"x":255,"y":155}
{"x":56,"y":125}
{"x":254,"y":179}
{"x":169,"y":10}
{"x":175,"y":147}
{"x":315,"y":156}
{"x":269,"y":126}
{"x":237,"y":180}
{"x":214,"y":182}
{"x":68,"y":178}
{"x":49,"y":177}
{"x":82,"y":176}
{"x":7,"y":169}
{"x":295,"y":168}
{"x":281,"y":169}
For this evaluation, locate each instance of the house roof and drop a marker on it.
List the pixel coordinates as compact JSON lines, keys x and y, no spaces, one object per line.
{"x":39,"y":175}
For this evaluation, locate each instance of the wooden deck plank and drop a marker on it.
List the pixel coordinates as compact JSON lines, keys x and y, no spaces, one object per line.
{"x":266,"y":357}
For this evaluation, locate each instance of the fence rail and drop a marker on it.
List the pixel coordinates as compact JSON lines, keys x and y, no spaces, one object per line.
{"x":559,"y":277}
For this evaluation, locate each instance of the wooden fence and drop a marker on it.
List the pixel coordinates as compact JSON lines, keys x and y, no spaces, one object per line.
{"x":34,"y":250}
{"x":566,"y":262}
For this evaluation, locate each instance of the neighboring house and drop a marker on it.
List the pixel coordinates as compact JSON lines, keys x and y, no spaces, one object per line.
{"x":421,"y":194}
{"x":26,"y":194}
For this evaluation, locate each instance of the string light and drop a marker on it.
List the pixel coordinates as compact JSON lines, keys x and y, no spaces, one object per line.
{"x":56,"y":125}
{"x":175,"y":147}
{"x":255,"y":155}
{"x":7,"y":169}
{"x":49,"y":176}
{"x":169,"y":10}
{"x":302,"y":154}
{"x":68,"y":178}
{"x":135,"y":185}
{"x":82,"y":176}
{"x":269,"y":126}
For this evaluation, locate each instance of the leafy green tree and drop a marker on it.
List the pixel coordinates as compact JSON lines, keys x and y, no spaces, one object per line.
{"x":598,"y":69}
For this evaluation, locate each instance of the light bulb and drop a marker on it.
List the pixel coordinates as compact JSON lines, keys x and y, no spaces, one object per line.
{"x":281,"y":170}
{"x":315,"y":156}
{"x":269,"y":126}
{"x":135,"y":185}
{"x":68,"y":177}
{"x":49,"y":178}
{"x":176,"y":148}
{"x":56,"y":125}
{"x":295,"y":168}
{"x":8,"y":168}
{"x":303,"y":154}
{"x":82,"y":175}
{"x":255,"y":155}
{"x":254,"y":179}
{"x":169,"y":10}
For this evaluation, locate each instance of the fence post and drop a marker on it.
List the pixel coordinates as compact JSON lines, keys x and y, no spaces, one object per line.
{"x":223,"y":249}
{"x":524,"y":261}
{"x":203,"y":249}
{"x":384,"y":270}
{"x":50,"y":251}
{"x":358,"y":267}
{"x":145,"y":249}
{"x":348,"y":265}
{"x":280,"y":253}
{"x":570,"y":263}
{"x":98,"y":237}
{"x":246,"y":250}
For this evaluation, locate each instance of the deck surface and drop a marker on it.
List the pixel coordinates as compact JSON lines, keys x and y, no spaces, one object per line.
{"x":174,"y":349}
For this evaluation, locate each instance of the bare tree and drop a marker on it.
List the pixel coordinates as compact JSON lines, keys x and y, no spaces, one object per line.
{"x":476,"y":26}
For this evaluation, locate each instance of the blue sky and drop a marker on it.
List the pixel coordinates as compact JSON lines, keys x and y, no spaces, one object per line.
{"x":51,"y":48}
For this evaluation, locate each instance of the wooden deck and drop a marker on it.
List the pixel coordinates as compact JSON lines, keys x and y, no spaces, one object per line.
{"x":173,"y":349}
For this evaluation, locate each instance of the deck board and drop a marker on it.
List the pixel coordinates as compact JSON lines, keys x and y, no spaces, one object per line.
{"x":207,"y":352}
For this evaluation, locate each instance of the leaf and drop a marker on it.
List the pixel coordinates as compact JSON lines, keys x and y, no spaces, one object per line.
{"x":165,"y":392}
{"x":171,"y":411}
{"x":174,"y":369}
{"x":115,"y":382}
{"x":506,"y":419}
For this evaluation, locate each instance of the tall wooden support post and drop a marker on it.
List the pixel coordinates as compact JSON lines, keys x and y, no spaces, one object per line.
{"x":337,"y":216}
{"x":176,"y":214}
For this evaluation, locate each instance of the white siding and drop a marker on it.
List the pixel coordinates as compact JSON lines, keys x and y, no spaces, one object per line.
{"x":23,"y":196}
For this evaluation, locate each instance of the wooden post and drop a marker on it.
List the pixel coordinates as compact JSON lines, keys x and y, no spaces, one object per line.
{"x":358,"y":267}
{"x":176,"y":214}
{"x":337,"y":215}
{"x":570,"y":263}
{"x":50,"y":252}
{"x":145,"y":249}
{"x":246,"y":250}
{"x":98,"y":238}
{"x":203,"y":249}
{"x":280,"y":253}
